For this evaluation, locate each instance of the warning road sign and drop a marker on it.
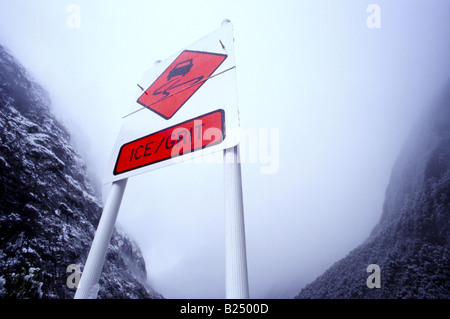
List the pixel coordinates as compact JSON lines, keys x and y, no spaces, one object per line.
{"x":186,"y":107}
{"x":190,"y":136}
{"x":179,"y":81}
{"x":184,"y":123}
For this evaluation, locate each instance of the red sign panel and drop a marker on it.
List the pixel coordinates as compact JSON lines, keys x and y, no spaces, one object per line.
{"x":195,"y":134}
{"x":180,"y":81}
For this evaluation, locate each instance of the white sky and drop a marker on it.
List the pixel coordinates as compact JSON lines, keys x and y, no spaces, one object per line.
{"x":342,"y":96}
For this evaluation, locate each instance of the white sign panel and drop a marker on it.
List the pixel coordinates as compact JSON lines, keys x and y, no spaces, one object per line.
{"x":186,"y":107}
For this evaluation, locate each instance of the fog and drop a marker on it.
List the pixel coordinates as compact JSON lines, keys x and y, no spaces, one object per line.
{"x":327,"y":91}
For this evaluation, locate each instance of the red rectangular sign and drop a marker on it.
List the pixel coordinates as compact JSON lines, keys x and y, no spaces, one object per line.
{"x":192,"y":135}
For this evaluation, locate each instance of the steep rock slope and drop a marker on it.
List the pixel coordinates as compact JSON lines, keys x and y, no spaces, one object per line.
{"x":48,"y":209}
{"x":411,"y":243}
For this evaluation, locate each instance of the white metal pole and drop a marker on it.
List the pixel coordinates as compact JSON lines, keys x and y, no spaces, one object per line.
{"x":88,"y":285}
{"x":236,"y":277}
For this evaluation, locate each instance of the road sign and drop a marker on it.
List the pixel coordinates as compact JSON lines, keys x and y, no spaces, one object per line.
{"x":174,"y":124}
{"x":193,"y":91}
{"x":179,"y":81}
{"x":190,"y":136}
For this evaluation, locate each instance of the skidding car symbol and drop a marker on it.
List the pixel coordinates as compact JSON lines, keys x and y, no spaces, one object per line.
{"x":173,"y":81}
{"x":181,"y":68}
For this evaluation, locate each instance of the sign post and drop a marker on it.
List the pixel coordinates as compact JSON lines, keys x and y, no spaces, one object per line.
{"x":236,"y":277}
{"x":88,"y":286}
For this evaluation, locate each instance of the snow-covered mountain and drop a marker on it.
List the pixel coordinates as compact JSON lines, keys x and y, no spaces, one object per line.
{"x":411,"y":243}
{"x":49,"y":210}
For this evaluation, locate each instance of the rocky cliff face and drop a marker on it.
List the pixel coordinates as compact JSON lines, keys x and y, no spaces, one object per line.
{"x":411,"y":243}
{"x":48,"y":209}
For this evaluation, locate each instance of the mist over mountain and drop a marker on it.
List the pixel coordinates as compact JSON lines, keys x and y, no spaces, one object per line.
{"x":411,"y":242}
{"x":49,"y":210}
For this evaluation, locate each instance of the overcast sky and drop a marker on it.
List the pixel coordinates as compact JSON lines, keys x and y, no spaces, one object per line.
{"x":331,"y":87}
